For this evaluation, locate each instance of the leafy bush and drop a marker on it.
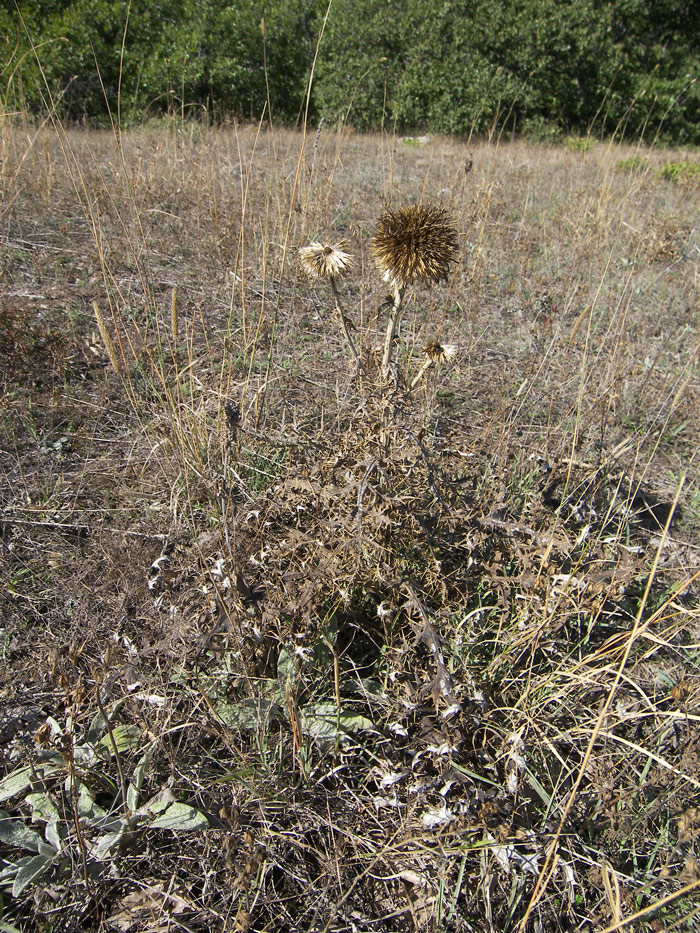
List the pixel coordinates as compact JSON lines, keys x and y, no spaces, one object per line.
{"x":579,"y":143}
{"x":635,"y":163}
{"x":166,"y":56}
{"x":629,"y":67}
{"x":681,"y":172}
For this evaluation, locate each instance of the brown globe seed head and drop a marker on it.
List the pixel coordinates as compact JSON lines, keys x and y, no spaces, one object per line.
{"x":414,"y":242}
{"x":325,"y":261}
{"x":440,"y":352}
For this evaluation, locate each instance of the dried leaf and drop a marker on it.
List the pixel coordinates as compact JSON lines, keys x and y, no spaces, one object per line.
{"x":437,"y":818}
{"x":144,"y":910}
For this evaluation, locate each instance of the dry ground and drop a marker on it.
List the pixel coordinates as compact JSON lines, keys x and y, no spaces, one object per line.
{"x":424,"y":654}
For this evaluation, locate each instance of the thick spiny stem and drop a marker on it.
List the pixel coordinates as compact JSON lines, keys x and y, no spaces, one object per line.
{"x":394,"y":318}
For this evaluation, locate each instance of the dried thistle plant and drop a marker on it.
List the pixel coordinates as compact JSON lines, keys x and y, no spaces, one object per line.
{"x":435,"y":352}
{"x":325,"y":261}
{"x":438,"y":352}
{"x":413,"y":243}
{"x":332,"y":262}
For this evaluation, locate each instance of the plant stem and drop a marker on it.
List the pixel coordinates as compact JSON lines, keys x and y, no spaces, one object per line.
{"x":394,"y":318}
{"x":343,"y":321}
{"x":424,"y":368}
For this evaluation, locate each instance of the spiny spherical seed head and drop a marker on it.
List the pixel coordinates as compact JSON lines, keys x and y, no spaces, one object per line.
{"x":440,"y":352}
{"x":325,"y":261}
{"x":414,"y":242}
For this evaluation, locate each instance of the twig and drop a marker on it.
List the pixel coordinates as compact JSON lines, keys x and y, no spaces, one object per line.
{"x":429,"y":637}
{"x":417,"y":378}
{"x":69,"y":526}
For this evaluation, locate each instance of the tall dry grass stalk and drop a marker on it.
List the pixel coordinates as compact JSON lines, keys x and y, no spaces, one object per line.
{"x":174,"y":328}
{"x":107,"y":340}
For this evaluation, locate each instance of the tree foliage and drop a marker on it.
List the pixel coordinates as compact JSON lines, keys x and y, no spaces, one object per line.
{"x":455,"y":66}
{"x":146,"y":57}
{"x":474,"y":65}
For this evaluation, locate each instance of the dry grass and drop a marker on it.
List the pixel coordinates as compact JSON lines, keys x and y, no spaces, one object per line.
{"x":424,"y":649}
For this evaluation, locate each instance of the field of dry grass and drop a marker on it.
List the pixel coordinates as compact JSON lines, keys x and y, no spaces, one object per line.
{"x":289,"y":644}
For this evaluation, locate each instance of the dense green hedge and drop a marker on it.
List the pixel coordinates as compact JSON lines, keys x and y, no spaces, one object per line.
{"x":190,"y":56}
{"x":533,"y":66}
{"x":515,"y":65}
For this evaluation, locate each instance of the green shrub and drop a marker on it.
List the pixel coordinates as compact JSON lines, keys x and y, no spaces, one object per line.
{"x":543,"y":67}
{"x":539,"y":130}
{"x":178,"y":56}
{"x":681,"y":172}
{"x":579,"y":143}
{"x":635,"y":163}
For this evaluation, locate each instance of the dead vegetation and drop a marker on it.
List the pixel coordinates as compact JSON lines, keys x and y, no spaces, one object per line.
{"x":423,"y":648}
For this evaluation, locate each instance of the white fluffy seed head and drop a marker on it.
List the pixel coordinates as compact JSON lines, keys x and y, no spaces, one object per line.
{"x":325,"y":260}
